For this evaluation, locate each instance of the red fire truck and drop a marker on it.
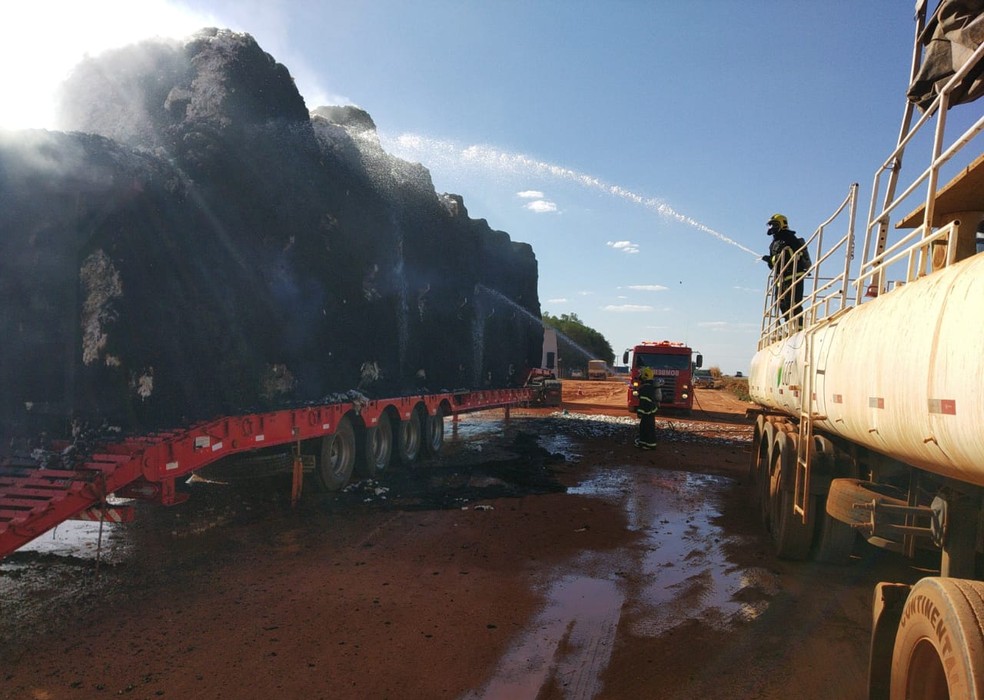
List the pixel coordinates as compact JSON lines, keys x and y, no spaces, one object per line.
{"x":673,"y":367}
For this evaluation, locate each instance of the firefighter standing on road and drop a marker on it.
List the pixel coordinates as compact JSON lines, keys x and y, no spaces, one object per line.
{"x":648,"y":403}
{"x":789,"y":274}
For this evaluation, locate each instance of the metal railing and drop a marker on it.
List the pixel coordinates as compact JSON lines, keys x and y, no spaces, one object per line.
{"x":828,"y":292}
{"x":913,"y":249}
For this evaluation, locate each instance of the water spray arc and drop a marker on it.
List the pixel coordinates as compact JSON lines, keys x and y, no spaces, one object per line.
{"x":499,"y":296}
{"x":412,"y":146}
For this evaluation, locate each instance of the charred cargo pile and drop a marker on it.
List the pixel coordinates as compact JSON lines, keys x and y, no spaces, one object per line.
{"x":200,"y":244}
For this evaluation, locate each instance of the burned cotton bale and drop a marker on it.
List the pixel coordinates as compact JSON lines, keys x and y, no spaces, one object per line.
{"x":199,"y":245}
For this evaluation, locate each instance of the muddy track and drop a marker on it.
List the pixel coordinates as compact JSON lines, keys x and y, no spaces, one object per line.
{"x":540,"y":558}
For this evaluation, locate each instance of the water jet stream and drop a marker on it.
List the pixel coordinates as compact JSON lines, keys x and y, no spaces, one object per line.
{"x":416,"y":147}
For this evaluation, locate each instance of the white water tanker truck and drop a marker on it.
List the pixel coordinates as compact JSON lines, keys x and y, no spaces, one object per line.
{"x":871,"y":396}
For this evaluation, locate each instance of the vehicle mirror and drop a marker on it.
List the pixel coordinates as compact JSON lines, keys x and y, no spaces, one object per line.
{"x":700,"y":360}
{"x":625,"y":357}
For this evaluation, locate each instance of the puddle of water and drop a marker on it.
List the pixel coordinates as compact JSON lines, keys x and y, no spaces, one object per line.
{"x":558,"y":444}
{"x":689,"y":575}
{"x":80,"y":540}
{"x":605,"y":484}
{"x":571,"y":641}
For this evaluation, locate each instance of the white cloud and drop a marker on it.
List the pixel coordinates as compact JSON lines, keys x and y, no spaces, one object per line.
{"x":628,"y":308}
{"x":530,"y":194}
{"x":647,"y":287}
{"x":624,"y":246}
{"x":558,"y":300}
{"x":541,"y":206}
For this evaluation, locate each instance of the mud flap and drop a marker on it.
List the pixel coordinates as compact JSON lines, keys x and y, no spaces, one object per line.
{"x":885,"y":615}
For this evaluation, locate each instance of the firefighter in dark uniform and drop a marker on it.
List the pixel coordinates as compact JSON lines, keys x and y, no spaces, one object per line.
{"x":648,"y":403}
{"x":789,"y":274}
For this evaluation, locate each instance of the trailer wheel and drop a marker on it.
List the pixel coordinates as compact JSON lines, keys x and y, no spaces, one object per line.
{"x":377,"y":447}
{"x":763,"y":470}
{"x":409,"y":439}
{"x":435,"y":432}
{"x":791,"y":535}
{"x":753,"y":462}
{"x":939,"y":646}
{"x":336,"y":460}
{"x":835,"y":540}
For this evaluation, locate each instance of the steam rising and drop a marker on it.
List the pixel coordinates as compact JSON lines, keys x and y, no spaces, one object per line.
{"x":54,"y":36}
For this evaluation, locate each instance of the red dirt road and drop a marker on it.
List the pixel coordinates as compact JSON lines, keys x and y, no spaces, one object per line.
{"x":546,"y":558}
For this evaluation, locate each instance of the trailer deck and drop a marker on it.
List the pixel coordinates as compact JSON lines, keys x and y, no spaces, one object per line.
{"x":35,"y":498}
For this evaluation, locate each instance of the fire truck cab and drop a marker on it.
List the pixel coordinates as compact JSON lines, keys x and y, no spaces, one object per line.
{"x":673,"y":364}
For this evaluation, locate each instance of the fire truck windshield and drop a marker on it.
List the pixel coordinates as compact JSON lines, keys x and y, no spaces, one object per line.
{"x":675,"y":362}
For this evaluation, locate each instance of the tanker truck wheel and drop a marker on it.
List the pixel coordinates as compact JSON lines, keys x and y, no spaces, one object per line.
{"x":434,"y":432}
{"x":753,"y":463}
{"x":790,"y":534}
{"x":408,"y":440}
{"x":377,"y":447}
{"x":763,"y":472}
{"x":336,"y":460}
{"x":939,"y":646}
{"x":835,"y":540}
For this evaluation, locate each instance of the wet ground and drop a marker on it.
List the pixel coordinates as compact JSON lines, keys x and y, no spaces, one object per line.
{"x":543,"y":558}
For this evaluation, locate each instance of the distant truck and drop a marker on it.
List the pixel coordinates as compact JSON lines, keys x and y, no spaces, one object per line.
{"x":673,"y":364}
{"x":597,"y":369}
{"x":703,"y":379}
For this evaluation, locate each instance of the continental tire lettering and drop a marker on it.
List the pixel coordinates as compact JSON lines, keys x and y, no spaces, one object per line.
{"x":926,"y":608}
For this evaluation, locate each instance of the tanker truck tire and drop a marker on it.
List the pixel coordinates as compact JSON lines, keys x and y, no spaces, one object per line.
{"x":336,"y":459}
{"x":792,"y":537}
{"x":434,"y":433}
{"x":763,"y":472}
{"x":377,"y":448}
{"x":753,"y":462}
{"x":835,"y":540}
{"x":939,"y":646}
{"x":408,"y":440}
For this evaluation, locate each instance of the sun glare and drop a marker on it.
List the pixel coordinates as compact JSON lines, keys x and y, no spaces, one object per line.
{"x":40,"y":43}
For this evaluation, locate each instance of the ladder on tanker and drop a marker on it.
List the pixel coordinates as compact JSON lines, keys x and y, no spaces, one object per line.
{"x":804,"y":446}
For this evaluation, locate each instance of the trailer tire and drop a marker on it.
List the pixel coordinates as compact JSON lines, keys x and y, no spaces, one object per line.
{"x":434,"y":438}
{"x":408,"y":440}
{"x":753,"y":466}
{"x":939,"y":646}
{"x":835,"y":539}
{"x":792,"y":537}
{"x":377,"y":447}
{"x":764,"y":471}
{"x":336,"y":458}
{"x":844,"y":493}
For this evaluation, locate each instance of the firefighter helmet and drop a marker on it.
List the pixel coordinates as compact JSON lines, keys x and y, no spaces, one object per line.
{"x":778,"y":223}
{"x":646,"y":374}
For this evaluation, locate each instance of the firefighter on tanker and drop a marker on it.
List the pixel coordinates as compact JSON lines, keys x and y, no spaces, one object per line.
{"x":790,"y":269}
{"x":649,"y":395}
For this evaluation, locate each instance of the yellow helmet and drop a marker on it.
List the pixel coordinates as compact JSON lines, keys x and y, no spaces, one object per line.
{"x":646,"y":374}
{"x":779,"y":219}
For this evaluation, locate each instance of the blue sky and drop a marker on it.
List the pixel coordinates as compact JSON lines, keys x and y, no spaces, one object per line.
{"x":639,"y":147}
